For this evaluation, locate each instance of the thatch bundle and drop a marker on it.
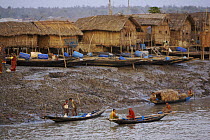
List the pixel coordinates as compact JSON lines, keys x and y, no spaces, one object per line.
{"x":168,"y":95}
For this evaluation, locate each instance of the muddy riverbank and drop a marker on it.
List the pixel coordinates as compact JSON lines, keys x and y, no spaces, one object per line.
{"x":31,"y":92}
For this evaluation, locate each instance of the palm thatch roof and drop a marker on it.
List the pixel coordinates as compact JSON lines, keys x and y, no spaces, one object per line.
{"x":177,"y":20}
{"x":17,"y":28}
{"x":63,"y":28}
{"x":150,"y":19}
{"x":104,"y":23}
{"x":201,"y":19}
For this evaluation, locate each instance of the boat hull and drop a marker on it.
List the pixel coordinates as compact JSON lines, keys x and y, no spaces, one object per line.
{"x":145,"y":119}
{"x":67,"y":119}
{"x":171,"y":102}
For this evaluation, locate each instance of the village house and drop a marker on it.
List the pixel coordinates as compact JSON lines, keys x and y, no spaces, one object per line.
{"x":57,"y":36}
{"x":181,"y":26}
{"x":18,"y":36}
{"x":112,"y":33}
{"x":155,"y":28}
{"x":201,"y":33}
{"x":202,"y":28}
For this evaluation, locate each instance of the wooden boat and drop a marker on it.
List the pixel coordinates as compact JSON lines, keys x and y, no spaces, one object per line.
{"x":84,"y":116}
{"x":170,"y":102}
{"x":111,"y":62}
{"x":68,"y":62}
{"x":162,"y":61}
{"x":140,"y":119}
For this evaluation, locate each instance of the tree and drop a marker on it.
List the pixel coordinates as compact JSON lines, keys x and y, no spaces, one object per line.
{"x":154,"y":10}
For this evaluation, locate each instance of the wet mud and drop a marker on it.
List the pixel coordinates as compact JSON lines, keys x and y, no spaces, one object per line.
{"x":32,"y":92}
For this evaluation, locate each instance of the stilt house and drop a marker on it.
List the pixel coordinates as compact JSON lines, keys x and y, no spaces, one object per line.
{"x":18,"y":36}
{"x":57,"y":36}
{"x":155,"y":28}
{"x":181,"y":26}
{"x":107,"y":32}
{"x":202,"y":28}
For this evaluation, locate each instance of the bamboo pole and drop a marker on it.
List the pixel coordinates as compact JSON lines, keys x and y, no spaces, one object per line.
{"x":61,"y":45}
{"x":209,"y":53}
{"x":90,"y":42}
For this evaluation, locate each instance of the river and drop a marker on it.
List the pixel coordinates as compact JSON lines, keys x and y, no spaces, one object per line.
{"x":191,"y":121}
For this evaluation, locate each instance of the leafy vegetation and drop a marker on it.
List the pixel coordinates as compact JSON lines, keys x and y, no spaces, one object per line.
{"x":154,"y":10}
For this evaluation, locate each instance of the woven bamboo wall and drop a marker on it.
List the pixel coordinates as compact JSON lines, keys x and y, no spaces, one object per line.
{"x":53,"y":41}
{"x":19,"y":41}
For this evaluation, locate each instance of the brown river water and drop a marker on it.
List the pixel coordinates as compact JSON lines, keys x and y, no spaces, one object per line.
{"x":190,"y":122}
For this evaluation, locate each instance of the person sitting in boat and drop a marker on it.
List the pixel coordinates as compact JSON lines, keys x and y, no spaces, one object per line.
{"x":153,"y":97}
{"x":113,"y":115}
{"x":190,"y":92}
{"x":167,"y":108}
{"x":131,"y":114}
{"x":74,"y":107}
{"x":66,"y":108}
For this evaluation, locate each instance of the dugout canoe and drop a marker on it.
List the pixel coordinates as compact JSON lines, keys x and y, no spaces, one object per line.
{"x":140,"y":119}
{"x":84,"y":116}
{"x":170,"y":102}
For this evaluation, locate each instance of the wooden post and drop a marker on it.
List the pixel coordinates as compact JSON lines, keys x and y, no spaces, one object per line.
{"x":188,"y":51}
{"x":90,"y":43}
{"x":209,"y":53}
{"x":62,"y":46}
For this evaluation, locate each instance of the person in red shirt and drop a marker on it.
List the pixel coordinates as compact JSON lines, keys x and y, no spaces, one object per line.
{"x":131,"y":114}
{"x":13,"y":63}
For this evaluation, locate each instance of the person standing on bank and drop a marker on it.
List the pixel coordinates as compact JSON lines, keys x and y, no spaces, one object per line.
{"x":74,"y":107}
{"x":13,"y":63}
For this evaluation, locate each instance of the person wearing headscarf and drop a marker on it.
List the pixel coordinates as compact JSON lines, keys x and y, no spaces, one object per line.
{"x":131,"y":114}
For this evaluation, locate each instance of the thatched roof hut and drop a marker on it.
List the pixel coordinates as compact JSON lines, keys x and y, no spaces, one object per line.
{"x":109,"y":30}
{"x":181,"y":26}
{"x":18,"y":34}
{"x":202,"y":27}
{"x":104,"y":23}
{"x":155,"y":26}
{"x":57,"y":34}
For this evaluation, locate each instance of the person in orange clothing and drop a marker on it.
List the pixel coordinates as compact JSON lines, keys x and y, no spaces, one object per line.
{"x":167,"y":108}
{"x":13,"y":63}
{"x":131,"y":114}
